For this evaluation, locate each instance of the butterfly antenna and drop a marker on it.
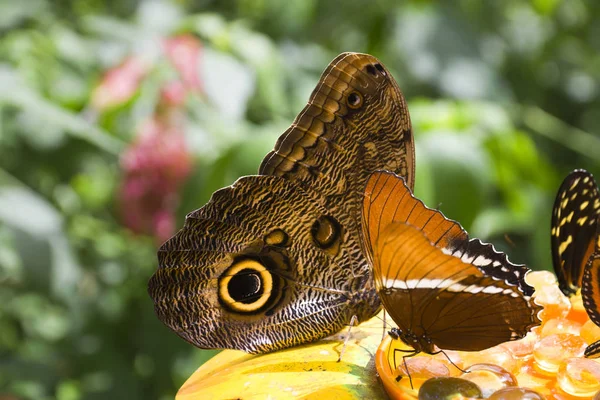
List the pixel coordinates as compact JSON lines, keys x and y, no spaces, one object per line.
{"x":509,"y":240}
{"x":353,"y":321}
{"x":386,"y":325}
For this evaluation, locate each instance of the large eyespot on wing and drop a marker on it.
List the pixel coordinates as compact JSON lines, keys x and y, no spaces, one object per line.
{"x":247,"y":270}
{"x":387,"y":199}
{"x":590,"y":291}
{"x":576,"y":210}
{"x":356,"y":121}
{"x":446,"y":298}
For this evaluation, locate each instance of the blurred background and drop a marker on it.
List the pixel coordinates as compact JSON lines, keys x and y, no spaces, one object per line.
{"x":117,"y":117}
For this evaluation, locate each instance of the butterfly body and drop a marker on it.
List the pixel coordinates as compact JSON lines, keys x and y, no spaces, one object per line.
{"x":275,"y":259}
{"x":443,"y":290}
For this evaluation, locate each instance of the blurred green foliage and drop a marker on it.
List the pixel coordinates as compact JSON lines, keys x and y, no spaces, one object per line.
{"x":504,"y":98}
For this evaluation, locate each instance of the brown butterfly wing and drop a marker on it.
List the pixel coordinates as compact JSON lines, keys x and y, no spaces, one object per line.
{"x":461,"y":294}
{"x":590,"y":291}
{"x":576,"y":210}
{"x":268,"y":241}
{"x":443,"y":298}
{"x":279,"y":263}
{"x":355,"y":122}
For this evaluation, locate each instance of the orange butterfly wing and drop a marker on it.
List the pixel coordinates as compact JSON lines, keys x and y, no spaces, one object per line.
{"x":387,"y":200}
{"x":590,"y":292}
{"x":457,"y":293}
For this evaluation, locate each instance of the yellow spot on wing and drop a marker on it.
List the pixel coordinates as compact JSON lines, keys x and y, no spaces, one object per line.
{"x":563,"y":246}
{"x":581,"y":221}
{"x":566,"y":219}
{"x":583,"y":205}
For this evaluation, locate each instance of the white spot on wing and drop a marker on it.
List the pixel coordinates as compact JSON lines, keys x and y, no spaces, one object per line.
{"x":447,"y":251}
{"x":466,"y":259}
{"x":492,"y":290}
{"x":481,"y":261}
{"x":449,"y":285}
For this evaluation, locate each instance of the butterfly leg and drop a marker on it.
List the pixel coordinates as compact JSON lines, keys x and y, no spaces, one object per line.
{"x":353,"y":321}
{"x":384,"y":324}
{"x":402,"y":351}
{"x":451,"y":362}
{"x":412,"y":353}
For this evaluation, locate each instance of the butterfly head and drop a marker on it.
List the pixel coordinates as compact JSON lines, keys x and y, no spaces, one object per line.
{"x":418,"y":343}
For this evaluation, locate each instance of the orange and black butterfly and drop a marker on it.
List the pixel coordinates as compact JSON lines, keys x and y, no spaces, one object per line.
{"x":575,"y":243}
{"x":590,"y":291}
{"x":443,"y":290}
{"x":576,"y":210}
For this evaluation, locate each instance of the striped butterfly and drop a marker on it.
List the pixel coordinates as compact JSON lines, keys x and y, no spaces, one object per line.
{"x":576,"y":210}
{"x":576,"y":243}
{"x":444,"y":290}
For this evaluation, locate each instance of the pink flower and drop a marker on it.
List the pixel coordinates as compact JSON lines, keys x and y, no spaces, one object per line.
{"x":157,"y":163}
{"x":184,"y":53}
{"x":163,"y":225}
{"x":155,"y":166}
{"x":119,"y":84}
{"x":172,"y":94}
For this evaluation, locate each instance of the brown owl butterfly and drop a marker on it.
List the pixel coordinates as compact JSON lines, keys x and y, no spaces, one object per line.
{"x":443,"y":289}
{"x":576,"y":209}
{"x":274,"y":260}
